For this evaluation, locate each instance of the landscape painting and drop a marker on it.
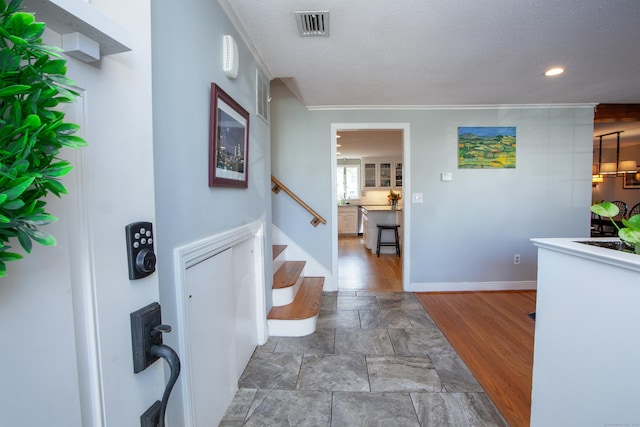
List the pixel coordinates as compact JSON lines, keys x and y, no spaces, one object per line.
{"x":486,"y":148}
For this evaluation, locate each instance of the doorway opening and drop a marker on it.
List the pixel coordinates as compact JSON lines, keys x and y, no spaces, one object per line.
{"x":368,"y":165}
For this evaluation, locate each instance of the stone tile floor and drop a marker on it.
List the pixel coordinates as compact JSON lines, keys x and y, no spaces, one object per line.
{"x":376,"y":359}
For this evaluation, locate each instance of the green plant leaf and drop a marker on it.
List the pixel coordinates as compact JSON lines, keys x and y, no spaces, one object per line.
{"x":41,"y":237}
{"x":67,"y":128}
{"x":34,"y":31}
{"x":14,"y":90}
{"x":633,"y":222}
{"x":32,"y":121}
{"x":606,"y":209}
{"x":57,"y":169}
{"x":14,"y":5}
{"x":9,"y":61}
{"x":55,"y":187}
{"x":41,"y":219}
{"x":17,"y":187}
{"x":20,"y":21}
{"x":629,"y":235}
{"x":24,"y":240}
{"x":13,"y":205}
{"x":72,"y":141}
{"x":9,"y":256}
{"x":19,"y":41}
{"x":4,"y":219}
{"x":57,"y":66}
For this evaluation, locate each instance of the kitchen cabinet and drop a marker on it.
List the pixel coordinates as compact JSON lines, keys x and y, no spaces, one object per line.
{"x":397,"y":168}
{"x":348,"y":220}
{"x":380,"y":173}
{"x":384,"y":173}
{"x":370,"y":173}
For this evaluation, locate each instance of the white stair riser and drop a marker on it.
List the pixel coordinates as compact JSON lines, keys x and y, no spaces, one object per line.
{"x":280,"y":259}
{"x":286,"y":295}
{"x":292,"y":328}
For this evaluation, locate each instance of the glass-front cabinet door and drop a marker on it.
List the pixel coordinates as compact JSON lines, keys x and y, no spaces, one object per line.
{"x":381,"y":173}
{"x":398,"y":174}
{"x":370,"y":175}
{"x":385,"y":175}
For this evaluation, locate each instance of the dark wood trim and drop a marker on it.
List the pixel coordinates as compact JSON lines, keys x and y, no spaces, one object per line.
{"x":617,"y":113}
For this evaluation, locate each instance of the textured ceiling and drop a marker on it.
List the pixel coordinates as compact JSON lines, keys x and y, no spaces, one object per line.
{"x":449,"y":53}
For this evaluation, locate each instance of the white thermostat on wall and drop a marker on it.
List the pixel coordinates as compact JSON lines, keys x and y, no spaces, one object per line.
{"x":229,"y":57}
{"x":446,"y":176}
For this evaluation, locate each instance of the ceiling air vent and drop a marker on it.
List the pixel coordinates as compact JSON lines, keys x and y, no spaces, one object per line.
{"x":313,"y":24}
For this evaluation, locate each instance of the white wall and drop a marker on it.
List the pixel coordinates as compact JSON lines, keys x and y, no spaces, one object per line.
{"x":187,"y":58}
{"x":467,"y":230}
{"x":53,"y":373}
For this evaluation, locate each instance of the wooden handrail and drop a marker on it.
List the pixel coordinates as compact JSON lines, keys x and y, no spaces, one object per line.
{"x":277,"y":186}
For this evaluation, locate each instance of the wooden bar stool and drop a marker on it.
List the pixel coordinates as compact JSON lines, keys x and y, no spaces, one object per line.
{"x":395,"y":243}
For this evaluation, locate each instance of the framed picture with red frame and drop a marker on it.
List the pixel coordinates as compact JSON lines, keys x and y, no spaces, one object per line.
{"x":228,"y":141}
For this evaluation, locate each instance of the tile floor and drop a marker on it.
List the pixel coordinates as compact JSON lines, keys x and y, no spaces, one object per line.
{"x":376,"y":359}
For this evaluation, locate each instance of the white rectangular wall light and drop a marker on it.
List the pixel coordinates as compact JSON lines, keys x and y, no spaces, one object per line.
{"x":229,"y":57}
{"x":81,"y":47}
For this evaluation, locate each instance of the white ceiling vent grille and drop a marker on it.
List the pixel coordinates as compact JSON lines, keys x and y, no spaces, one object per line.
{"x":313,"y":24}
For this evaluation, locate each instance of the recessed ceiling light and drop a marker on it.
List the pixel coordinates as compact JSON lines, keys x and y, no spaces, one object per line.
{"x":338,"y":145}
{"x":554,"y":71}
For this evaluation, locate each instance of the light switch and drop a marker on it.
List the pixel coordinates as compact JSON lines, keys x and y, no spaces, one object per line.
{"x":416,"y":198}
{"x":446,"y":176}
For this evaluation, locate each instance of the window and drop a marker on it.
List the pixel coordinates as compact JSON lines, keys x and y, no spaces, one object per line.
{"x":348,"y":180}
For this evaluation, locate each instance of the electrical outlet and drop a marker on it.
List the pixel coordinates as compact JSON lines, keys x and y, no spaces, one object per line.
{"x":516,"y":258}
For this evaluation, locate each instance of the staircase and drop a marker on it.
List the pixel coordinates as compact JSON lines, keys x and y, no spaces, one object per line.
{"x":296,"y":298}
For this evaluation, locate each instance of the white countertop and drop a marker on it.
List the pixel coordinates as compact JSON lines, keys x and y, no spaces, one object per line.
{"x":608,"y":256}
{"x":381,"y":208}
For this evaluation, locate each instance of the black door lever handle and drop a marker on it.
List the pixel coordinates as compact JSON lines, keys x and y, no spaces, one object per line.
{"x":171,"y":357}
{"x":160,"y":329}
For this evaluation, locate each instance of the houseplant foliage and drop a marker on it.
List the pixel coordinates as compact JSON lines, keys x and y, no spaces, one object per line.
{"x":630,"y":233}
{"x":32,"y":130}
{"x":393,"y":198}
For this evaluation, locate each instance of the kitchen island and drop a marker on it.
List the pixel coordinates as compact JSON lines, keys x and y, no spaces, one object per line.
{"x":372,"y":215}
{"x":585,"y":361}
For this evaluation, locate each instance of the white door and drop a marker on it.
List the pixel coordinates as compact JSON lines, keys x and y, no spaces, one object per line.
{"x":66,"y":341}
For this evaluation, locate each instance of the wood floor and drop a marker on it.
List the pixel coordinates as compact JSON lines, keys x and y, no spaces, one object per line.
{"x":493,"y":334}
{"x":358,"y":269}
{"x":491,"y":331}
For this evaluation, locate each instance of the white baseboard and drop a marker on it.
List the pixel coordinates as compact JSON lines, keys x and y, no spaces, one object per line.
{"x":312,"y":268}
{"x":471,"y":286}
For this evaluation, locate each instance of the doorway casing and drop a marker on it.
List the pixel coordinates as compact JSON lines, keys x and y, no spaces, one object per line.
{"x":406,"y":189}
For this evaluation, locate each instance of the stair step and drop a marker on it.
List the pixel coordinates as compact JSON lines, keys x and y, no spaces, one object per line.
{"x":288,"y":274}
{"x":278,"y":249}
{"x":305,"y":305}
